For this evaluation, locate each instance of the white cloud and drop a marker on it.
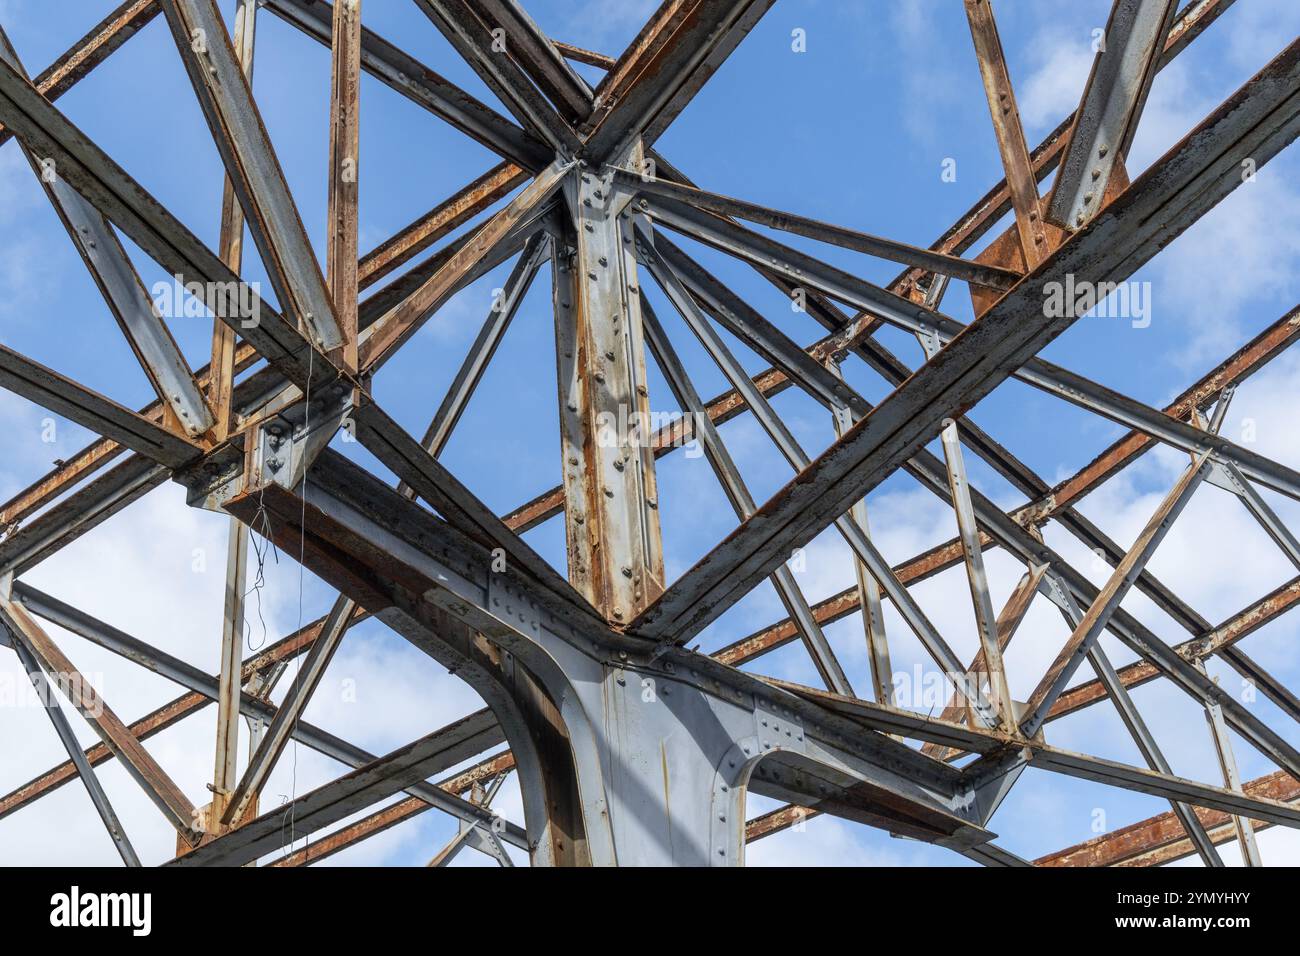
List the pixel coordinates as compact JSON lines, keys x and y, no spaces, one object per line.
{"x":137,"y":570}
{"x":156,"y":571}
{"x":1236,"y":260}
{"x":1051,"y":92}
{"x":822,"y":841}
{"x":928,"y":84}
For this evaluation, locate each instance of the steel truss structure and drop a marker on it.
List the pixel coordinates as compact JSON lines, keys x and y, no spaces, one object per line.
{"x":610,"y":774}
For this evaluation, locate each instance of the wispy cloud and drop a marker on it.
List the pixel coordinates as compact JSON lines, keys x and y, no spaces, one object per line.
{"x":930,"y":86}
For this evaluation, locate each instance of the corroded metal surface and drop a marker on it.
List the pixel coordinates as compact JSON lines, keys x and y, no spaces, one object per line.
{"x":563,"y":665}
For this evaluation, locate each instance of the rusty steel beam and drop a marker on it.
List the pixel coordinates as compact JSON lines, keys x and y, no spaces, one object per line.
{"x":124,"y":202}
{"x":394,"y":814}
{"x":45,"y":693}
{"x":614,"y":547}
{"x":241,"y":800}
{"x":115,"y":735}
{"x":225,"y":773}
{"x":580,"y":55}
{"x":757,"y":828}
{"x":79,"y":512}
{"x":439,"y":221}
{"x":473,"y":40}
{"x":252,"y":703}
{"x":774,"y":821}
{"x":407,"y":76}
{"x":801,"y":270}
{"x":164,"y":717}
{"x":1096,"y":617}
{"x":683,"y":44}
{"x":534,"y":52}
{"x":341,"y":269}
{"x":737,"y":492}
{"x":87,"y":462}
{"x":99,"y":43}
{"x":1268,"y":685}
{"x":1248,"y":360}
{"x":1160,"y":839}
{"x":1108,"y":113}
{"x":62,"y":395}
{"x":404,"y":320}
{"x":1258,"y":121}
{"x":231,"y":250}
{"x":230,"y":244}
{"x":976,"y":272}
{"x":1022,"y":187}
{"x":1008,"y":622}
{"x":1215,"y":641}
{"x":1195,"y":18}
{"x":141,"y":323}
{"x":340,"y":798}
{"x":226,"y":99}
{"x":1157,"y":784}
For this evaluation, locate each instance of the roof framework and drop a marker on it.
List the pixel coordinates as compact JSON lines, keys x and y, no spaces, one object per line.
{"x":591,"y":196}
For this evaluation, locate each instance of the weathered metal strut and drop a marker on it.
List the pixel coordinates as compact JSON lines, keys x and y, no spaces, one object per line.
{"x":628,"y":747}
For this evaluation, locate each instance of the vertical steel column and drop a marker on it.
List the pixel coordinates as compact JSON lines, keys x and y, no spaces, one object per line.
{"x":345,"y":143}
{"x":969,"y":533}
{"x":220,"y":388}
{"x":873,"y":615}
{"x":231,"y":243}
{"x":225,"y":773}
{"x":1231,"y":778}
{"x":706,"y":433}
{"x":611,"y":510}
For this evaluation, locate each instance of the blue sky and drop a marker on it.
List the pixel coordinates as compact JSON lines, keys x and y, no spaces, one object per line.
{"x":855,"y":130}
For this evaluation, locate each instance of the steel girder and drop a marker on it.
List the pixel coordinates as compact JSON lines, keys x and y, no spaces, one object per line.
{"x":562,"y":648}
{"x":1256,"y":123}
